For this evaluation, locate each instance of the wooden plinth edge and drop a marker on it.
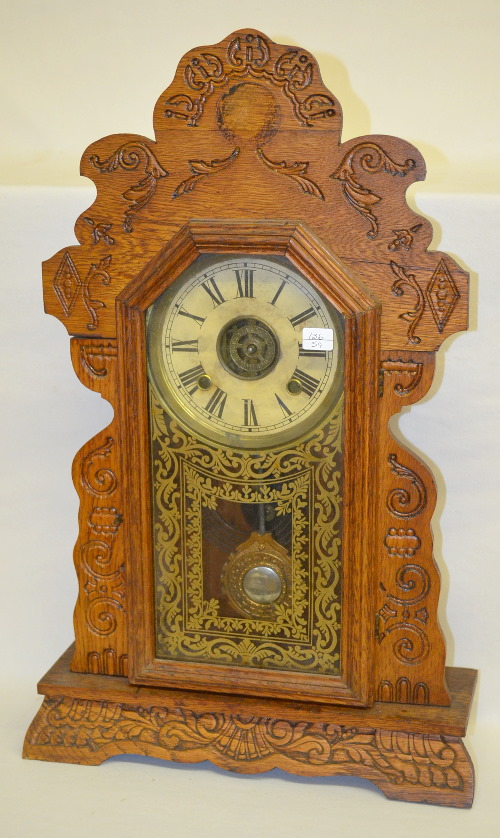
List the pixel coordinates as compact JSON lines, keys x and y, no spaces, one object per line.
{"x":411,"y":752}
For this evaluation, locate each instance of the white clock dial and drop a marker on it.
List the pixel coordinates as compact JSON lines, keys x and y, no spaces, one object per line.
{"x":226,"y":353}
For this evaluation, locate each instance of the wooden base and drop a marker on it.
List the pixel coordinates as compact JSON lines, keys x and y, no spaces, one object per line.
{"x":411,"y":752}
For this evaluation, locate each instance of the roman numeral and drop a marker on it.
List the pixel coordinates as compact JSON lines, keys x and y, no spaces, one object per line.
{"x":284,"y":408}
{"x":217,"y":403}
{"x":249,"y":414}
{"x":213,"y":292}
{"x":302,"y":317}
{"x":278,"y":292}
{"x":184,"y":345}
{"x":245,"y":283}
{"x":199,"y":320}
{"x":188,"y":378}
{"x":311,"y":353}
{"x":308,"y":382}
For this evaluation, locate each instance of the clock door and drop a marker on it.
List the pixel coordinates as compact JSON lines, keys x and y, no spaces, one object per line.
{"x":246,"y":431}
{"x":254,"y":378}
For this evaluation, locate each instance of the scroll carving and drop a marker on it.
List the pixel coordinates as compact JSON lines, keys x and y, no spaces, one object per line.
{"x":409,"y":370}
{"x":411,"y":644}
{"x":68,"y":285}
{"x":414,"y":584}
{"x":418,"y":766}
{"x":94,"y":357}
{"x":104,"y":582}
{"x":414,"y":315}
{"x":98,"y":479}
{"x":235,"y":124}
{"x":202,"y":70}
{"x":294,"y":106}
{"x":250,"y":55}
{"x":101,"y":606}
{"x":372,"y":159}
{"x":401,"y":502}
{"x":201,"y":169}
{"x":203,"y":74}
{"x":103,"y":585}
{"x":105,"y":599}
{"x":403,"y":617}
{"x":129,"y":157}
{"x":250,"y":50}
{"x":406,"y":626}
{"x":295,"y":171}
{"x":441,"y":295}
{"x":97,"y":558}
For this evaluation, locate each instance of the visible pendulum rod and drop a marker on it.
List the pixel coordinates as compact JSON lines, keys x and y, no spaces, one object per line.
{"x":262,"y":518}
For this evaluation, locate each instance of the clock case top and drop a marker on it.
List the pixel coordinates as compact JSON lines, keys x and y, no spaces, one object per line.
{"x":248,"y":155}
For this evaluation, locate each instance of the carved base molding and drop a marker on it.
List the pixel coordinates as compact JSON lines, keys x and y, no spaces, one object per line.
{"x":411,"y":753}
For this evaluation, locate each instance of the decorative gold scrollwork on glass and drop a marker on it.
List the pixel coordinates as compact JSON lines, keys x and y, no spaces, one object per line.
{"x":194,"y":484}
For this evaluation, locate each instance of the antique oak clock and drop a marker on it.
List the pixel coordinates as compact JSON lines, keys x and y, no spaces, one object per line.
{"x":256,"y":580}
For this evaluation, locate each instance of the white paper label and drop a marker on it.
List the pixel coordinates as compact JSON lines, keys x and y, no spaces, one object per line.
{"x":317,"y":340}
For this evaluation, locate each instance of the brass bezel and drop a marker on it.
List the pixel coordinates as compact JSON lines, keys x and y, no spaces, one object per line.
{"x":258,"y":549}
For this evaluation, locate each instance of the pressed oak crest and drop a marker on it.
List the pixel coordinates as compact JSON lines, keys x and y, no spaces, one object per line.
{"x":248,"y":159}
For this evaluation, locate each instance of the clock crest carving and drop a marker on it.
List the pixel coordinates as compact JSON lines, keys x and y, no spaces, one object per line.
{"x":256,"y":299}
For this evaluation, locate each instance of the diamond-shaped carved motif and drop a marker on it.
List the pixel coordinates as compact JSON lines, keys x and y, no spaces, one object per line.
{"x":442,"y":295}
{"x":66,"y":283}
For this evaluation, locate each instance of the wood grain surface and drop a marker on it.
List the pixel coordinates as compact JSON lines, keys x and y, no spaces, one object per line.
{"x":412,"y":754}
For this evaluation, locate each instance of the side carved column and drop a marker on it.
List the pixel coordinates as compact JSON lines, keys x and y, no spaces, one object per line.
{"x":100,"y":612}
{"x":410,"y":648}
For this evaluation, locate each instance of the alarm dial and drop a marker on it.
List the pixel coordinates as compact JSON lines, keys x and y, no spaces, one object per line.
{"x":227,"y":356}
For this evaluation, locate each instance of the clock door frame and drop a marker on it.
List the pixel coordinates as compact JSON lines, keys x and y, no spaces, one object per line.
{"x":361,"y":313}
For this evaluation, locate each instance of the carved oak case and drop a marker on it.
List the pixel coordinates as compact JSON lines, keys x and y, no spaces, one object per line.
{"x":256,"y":299}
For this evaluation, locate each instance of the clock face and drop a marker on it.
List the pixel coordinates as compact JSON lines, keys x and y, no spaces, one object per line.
{"x":245,"y":351}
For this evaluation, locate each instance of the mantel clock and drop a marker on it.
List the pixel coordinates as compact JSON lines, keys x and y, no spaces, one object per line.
{"x":256,"y":581}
